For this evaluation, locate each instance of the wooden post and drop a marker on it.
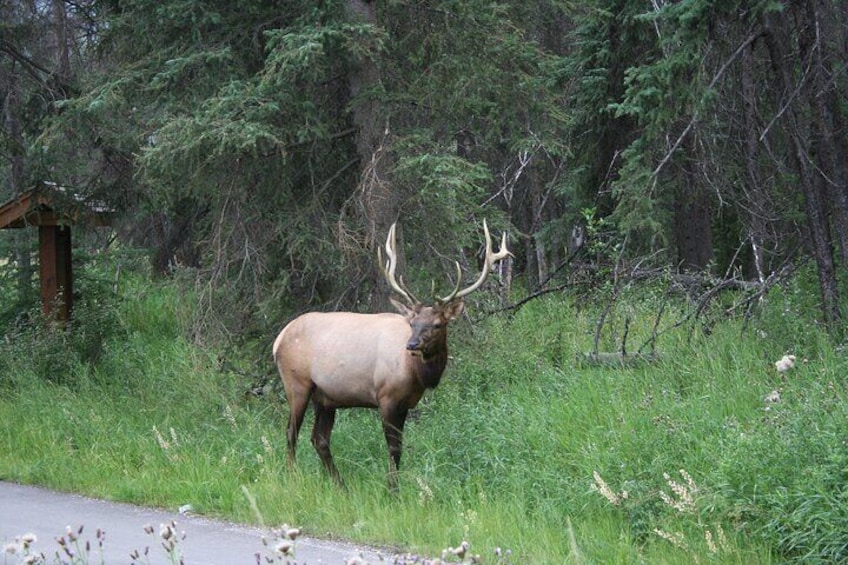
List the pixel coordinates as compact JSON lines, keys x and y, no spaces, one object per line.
{"x":54,"y":252}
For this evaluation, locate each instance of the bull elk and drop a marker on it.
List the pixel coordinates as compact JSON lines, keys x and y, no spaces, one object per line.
{"x":384,"y":361}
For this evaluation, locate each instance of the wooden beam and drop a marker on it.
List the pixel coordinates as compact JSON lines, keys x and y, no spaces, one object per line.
{"x":47,"y":266}
{"x":54,"y":254}
{"x":15,"y":209}
{"x":64,"y":272}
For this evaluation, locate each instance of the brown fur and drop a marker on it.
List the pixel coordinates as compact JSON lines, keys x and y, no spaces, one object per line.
{"x":348,"y":360}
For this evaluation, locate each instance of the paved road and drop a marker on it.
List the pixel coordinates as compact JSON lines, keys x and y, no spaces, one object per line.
{"x":47,"y":514}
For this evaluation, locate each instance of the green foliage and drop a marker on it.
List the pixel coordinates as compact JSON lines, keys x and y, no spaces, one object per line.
{"x":791,"y":316}
{"x":519,"y":444}
{"x":440,"y":185}
{"x":37,"y":347}
{"x":228,"y":135}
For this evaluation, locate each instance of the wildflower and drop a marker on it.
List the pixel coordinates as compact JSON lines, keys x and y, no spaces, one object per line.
{"x":73,"y":535}
{"x":11,"y":548}
{"x":161,"y":440}
{"x":722,"y":544}
{"x":174,"y":437}
{"x":166,"y":531}
{"x":229,"y":417}
{"x":604,"y":489}
{"x":425,"y":493}
{"x":711,"y":546}
{"x":284,"y":547}
{"x":266,"y":445}
{"x":459,"y":551}
{"x":502,"y":554}
{"x":291,"y":533}
{"x":685,"y":493}
{"x":677,"y":539}
{"x":773,"y":396}
{"x":28,"y":539}
{"x":785,"y":363}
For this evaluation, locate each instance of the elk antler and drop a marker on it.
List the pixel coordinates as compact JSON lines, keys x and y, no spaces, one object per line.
{"x":391,"y":267}
{"x":488,"y":263}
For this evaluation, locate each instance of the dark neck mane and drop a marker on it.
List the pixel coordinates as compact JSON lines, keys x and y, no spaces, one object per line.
{"x":431,"y":365}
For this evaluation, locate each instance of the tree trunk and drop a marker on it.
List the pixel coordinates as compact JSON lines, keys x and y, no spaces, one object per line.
{"x":828,"y":134}
{"x":376,"y":197}
{"x":63,"y":58}
{"x":756,"y":205}
{"x":777,"y":38}
{"x":822,"y":192}
{"x":16,"y":180}
{"x":693,"y":217}
{"x":539,"y":201}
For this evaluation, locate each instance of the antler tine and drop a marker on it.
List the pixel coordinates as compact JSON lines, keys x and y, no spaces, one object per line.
{"x":391,"y":266}
{"x":488,"y":262}
{"x":451,"y":296}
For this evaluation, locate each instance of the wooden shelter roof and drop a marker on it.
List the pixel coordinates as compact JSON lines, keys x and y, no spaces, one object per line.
{"x":50,"y":205}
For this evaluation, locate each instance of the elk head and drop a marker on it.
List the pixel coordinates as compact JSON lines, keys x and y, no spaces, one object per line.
{"x":429,"y":323}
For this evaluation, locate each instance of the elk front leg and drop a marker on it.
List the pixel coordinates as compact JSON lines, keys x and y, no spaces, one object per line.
{"x":394,"y":419}
{"x":324,"y":420}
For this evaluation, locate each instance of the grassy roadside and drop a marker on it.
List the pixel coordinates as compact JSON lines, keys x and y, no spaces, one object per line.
{"x":520,"y":448}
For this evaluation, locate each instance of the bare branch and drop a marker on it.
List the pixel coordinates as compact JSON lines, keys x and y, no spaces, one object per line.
{"x":695,"y":114}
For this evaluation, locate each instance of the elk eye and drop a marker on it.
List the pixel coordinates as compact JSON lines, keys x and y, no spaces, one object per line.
{"x":437,"y":326}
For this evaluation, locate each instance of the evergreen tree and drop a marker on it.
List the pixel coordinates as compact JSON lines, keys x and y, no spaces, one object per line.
{"x":267,"y":146}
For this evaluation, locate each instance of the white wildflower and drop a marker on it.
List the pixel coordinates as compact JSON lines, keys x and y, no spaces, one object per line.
{"x":677,"y":539}
{"x":785,"y":363}
{"x":166,"y":531}
{"x":266,"y":445}
{"x":685,"y":501}
{"x":284,"y":547}
{"x":604,"y":489}
{"x":229,"y":417}
{"x":773,"y":396}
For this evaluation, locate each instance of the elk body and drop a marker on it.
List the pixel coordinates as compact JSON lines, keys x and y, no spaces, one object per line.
{"x":384,"y":361}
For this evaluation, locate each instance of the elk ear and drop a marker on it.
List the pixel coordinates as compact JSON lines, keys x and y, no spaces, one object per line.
{"x":453,"y":309}
{"x":402,"y":308}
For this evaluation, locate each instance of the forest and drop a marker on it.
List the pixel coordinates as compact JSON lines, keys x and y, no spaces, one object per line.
{"x":268,"y":146}
{"x":662,"y":170}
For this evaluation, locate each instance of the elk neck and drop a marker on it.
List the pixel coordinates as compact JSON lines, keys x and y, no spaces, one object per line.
{"x":429,"y":365}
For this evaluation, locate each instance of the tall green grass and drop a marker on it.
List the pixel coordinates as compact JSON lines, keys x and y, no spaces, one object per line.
{"x":523,"y":446}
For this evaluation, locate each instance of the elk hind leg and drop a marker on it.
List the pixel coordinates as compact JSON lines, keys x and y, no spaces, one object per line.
{"x":298,"y":403}
{"x":324,"y":420}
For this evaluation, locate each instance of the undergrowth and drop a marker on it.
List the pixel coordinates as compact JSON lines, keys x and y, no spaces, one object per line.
{"x":705,"y":453}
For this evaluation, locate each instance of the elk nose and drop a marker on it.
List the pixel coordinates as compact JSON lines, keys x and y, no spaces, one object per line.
{"x":412,"y":345}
